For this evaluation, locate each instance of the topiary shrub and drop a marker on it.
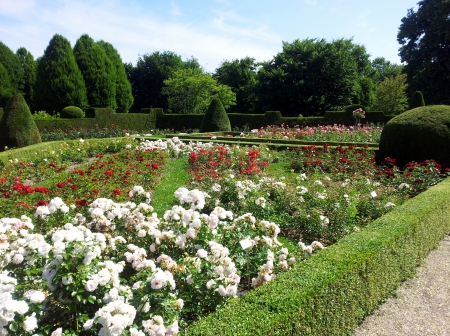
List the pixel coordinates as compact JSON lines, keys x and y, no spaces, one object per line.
{"x":419,"y":134}
{"x":416,"y":100}
{"x":71,"y":112}
{"x":215,"y":119}
{"x":17,"y":126}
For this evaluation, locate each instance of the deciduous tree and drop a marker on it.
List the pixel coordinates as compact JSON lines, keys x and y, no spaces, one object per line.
{"x":425,"y":48}
{"x":391,"y":95}
{"x":190,"y":91}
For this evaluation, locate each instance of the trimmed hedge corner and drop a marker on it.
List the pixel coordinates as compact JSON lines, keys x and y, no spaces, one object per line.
{"x":330,"y":293}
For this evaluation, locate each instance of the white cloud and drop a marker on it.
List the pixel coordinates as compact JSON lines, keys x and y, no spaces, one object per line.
{"x":134,"y":30}
{"x":231,"y":23}
{"x":16,"y":8}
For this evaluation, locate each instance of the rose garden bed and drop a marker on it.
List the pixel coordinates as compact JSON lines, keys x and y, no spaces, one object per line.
{"x":98,"y":254}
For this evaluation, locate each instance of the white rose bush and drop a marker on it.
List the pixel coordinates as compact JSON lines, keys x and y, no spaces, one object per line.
{"x":121,"y":269}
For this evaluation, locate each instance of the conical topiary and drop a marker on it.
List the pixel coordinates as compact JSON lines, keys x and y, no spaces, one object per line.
{"x":215,"y":119}
{"x":17,"y":126}
{"x":416,"y":100}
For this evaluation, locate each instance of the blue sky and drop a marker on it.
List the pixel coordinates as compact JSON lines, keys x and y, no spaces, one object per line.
{"x":209,"y":30}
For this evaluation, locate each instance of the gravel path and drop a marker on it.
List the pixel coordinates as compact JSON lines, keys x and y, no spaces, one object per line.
{"x":422,"y":304}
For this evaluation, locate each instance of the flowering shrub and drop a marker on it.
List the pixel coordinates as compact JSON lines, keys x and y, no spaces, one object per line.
{"x":359,"y":113}
{"x":121,"y":268}
{"x":331,"y":133}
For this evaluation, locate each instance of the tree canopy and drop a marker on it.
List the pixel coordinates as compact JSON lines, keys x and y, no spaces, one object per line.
{"x":28,"y":69}
{"x":425,"y":48}
{"x":59,"y":82}
{"x":190,"y":91}
{"x":148,"y":76}
{"x":124,"y":96}
{"x":10,"y":74}
{"x":240,"y":76}
{"x":98,"y":72}
{"x":391,"y":95}
{"x":312,"y":76}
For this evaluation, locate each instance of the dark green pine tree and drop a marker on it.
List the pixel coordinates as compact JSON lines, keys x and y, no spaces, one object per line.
{"x":59,"y":82}
{"x":6,"y":88}
{"x":11,"y":63}
{"x":28,"y":67}
{"x":98,"y":72}
{"x":124,"y":96}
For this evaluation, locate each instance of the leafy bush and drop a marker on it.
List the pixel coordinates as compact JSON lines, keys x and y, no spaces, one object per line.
{"x":72,"y":112}
{"x":416,"y":100}
{"x":417,"y":135}
{"x":215,"y":119}
{"x":17,"y":126}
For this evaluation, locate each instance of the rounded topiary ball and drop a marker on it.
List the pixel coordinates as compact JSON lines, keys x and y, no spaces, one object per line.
{"x":71,"y":112}
{"x":215,"y":119}
{"x":419,"y":134}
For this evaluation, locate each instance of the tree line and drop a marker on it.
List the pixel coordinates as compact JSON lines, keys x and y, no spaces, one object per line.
{"x":307,"y":77}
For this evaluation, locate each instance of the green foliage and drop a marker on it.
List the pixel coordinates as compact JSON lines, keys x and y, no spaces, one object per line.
{"x":124,"y":96}
{"x":10,"y":74}
{"x":59,"y":82}
{"x":313,"y":76}
{"x":240,"y":76}
{"x":17,"y":126}
{"x":417,"y":135}
{"x":384,"y":68}
{"x":391,"y":95}
{"x":6,"y":88}
{"x":215,"y":119}
{"x":416,"y":100}
{"x":98,"y":72}
{"x":425,"y":41}
{"x":71,"y":112}
{"x":148,"y":76}
{"x":189,"y":91}
{"x":349,"y":109}
{"x":28,"y":69}
{"x":330,"y":293}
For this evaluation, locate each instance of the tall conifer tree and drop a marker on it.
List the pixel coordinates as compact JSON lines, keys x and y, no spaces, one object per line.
{"x":98,"y":72}
{"x":124,"y":96}
{"x":59,"y":82}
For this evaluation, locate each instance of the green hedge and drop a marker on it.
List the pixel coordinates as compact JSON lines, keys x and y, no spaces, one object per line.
{"x":330,"y":293}
{"x":154,"y":118}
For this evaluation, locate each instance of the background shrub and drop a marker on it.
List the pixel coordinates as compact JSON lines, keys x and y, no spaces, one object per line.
{"x":215,"y":119}
{"x":72,"y":112}
{"x":416,"y":135}
{"x":416,"y":100}
{"x":17,"y":126}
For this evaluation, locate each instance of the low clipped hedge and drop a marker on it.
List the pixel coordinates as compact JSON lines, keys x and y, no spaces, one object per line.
{"x":330,"y":293}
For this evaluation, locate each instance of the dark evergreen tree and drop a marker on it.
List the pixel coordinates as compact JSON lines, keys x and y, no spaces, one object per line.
{"x":17,"y":126}
{"x":11,"y":63}
{"x":6,"y":88}
{"x":148,"y":76}
{"x":98,"y":72}
{"x":59,"y":82}
{"x":124,"y":96}
{"x":425,"y":48}
{"x":28,"y":67}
